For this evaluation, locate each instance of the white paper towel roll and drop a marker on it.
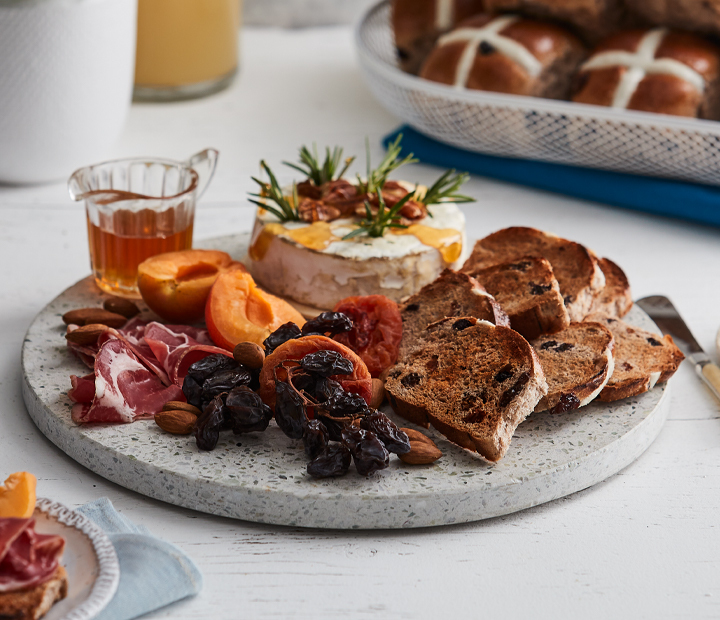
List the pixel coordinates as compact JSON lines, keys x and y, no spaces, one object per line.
{"x":66,"y":77}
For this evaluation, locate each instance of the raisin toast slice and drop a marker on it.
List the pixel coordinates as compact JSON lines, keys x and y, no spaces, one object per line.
{"x":578,"y":362}
{"x":577,"y":271}
{"x":616,"y":298}
{"x":34,"y":603}
{"x":451,"y":294}
{"x":642,"y":359}
{"x":472,"y":380}
{"x":527,"y":290}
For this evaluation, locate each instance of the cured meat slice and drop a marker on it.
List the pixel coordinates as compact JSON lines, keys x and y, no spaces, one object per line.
{"x":27,"y":558}
{"x":83,"y":389}
{"x":177,"y":347}
{"x":125,"y":390}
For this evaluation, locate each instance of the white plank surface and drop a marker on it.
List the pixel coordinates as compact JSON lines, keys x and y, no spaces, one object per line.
{"x":645,"y":543}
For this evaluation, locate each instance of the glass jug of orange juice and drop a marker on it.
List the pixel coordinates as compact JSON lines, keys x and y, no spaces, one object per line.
{"x":185,"y":48}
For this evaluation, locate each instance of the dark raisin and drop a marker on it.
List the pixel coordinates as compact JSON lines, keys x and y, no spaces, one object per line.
{"x":403,"y":55}
{"x":411,"y":380}
{"x":550,"y":344}
{"x":326,"y":363}
{"x":654,"y":343}
{"x":504,"y":373}
{"x":208,"y":366}
{"x":539,"y":289}
{"x":315,"y":438}
{"x":462,"y":324}
{"x":485,"y":48}
{"x":328,"y":323}
{"x":627,"y":366}
{"x":342,"y":404}
{"x":246,"y":412}
{"x":567,"y":402}
{"x":193,"y":391}
{"x":367,"y":450}
{"x":224,"y":381}
{"x":288,"y":331}
{"x":304,"y":381}
{"x":333,"y":461}
{"x":509,"y":395}
{"x":565,"y":346}
{"x":392,"y":437}
{"x":289,"y":410}
{"x":334,"y":426}
{"x":521,"y":266}
{"x":412,"y":307}
{"x":209,"y":424}
{"x":325,"y":388}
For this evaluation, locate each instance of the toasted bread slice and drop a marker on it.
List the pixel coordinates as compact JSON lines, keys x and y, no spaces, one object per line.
{"x":577,"y":271}
{"x":577,"y":362}
{"x":527,"y":290}
{"x":472,"y":380}
{"x":615,"y":299}
{"x":451,"y":294}
{"x":642,"y":359}
{"x":34,"y":603}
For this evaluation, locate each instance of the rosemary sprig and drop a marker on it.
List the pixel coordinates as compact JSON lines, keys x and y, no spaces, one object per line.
{"x":284,"y":210}
{"x":445,"y":189}
{"x":376,"y":177}
{"x":329,"y":170}
{"x":375,"y":225}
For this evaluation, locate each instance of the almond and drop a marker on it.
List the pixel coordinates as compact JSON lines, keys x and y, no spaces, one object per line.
{"x":176,"y":421}
{"x":87,"y":316}
{"x":378,"y":393}
{"x":177,"y":405}
{"x":423,"y":450}
{"x":249,"y":354}
{"x":120,"y":305}
{"x":87,"y":335}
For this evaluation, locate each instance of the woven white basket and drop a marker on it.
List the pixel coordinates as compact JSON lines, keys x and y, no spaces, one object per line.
{"x":533,"y":128}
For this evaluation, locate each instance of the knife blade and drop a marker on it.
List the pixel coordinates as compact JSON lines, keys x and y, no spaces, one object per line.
{"x":661,"y":310}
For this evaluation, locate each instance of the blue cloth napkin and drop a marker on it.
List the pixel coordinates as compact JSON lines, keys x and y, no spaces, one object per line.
{"x":689,"y":201}
{"x":153,"y":573}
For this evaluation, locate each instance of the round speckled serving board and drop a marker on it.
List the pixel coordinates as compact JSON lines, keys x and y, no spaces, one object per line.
{"x":261,"y":477}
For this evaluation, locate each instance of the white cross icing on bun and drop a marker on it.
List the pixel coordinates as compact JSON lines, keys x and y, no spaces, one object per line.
{"x":641,"y":63}
{"x":490,"y":34}
{"x":444,"y":14}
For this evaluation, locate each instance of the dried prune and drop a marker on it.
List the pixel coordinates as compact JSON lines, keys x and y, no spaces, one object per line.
{"x":224,"y":381}
{"x":327,"y":363}
{"x":342,"y":404}
{"x":315,"y":438}
{"x":245,"y":411}
{"x":289,"y":410}
{"x":333,"y":461}
{"x":209,"y":424}
{"x":392,"y":437}
{"x":325,"y":388}
{"x":287,"y":331}
{"x":334,"y":426}
{"x":208,"y":366}
{"x":367,"y":450}
{"x":328,"y":323}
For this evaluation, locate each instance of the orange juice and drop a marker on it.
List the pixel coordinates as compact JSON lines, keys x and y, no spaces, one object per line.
{"x":185,"y":43}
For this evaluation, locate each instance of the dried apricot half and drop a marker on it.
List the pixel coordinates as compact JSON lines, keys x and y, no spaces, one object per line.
{"x":17,"y":496}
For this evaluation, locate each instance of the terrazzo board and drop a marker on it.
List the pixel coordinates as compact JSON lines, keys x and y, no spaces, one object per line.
{"x":261,"y":477}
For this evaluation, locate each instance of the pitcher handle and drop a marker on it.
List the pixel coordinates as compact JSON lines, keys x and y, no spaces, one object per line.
{"x":204,"y":163}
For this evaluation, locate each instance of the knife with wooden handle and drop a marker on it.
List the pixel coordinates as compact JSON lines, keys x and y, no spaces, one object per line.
{"x":667,"y":318}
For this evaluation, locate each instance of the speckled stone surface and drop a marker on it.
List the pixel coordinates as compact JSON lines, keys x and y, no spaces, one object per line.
{"x":262,"y":478}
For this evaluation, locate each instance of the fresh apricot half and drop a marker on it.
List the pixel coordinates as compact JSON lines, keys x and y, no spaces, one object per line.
{"x":176,"y":285}
{"x":238,"y":311}
{"x":17,"y":496}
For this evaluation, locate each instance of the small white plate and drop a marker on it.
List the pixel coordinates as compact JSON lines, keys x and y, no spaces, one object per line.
{"x":89,"y":559}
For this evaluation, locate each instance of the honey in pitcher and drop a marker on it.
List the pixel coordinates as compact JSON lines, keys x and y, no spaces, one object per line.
{"x":122,"y":240}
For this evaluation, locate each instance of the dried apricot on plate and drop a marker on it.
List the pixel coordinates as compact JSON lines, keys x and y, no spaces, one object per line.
{"x":17,"y":496}
{"x":376,"y":332}
{"x":358,"y":382}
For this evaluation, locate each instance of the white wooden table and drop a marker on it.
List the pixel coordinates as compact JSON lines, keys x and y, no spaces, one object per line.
{"x":643,"y":544}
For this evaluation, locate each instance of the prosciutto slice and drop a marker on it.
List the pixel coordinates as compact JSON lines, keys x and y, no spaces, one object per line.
{"x":27,"y":558}
{"x":177,"y":347}
{"x":125,"y":389}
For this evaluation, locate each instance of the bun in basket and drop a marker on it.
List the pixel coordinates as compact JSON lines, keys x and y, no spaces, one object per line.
{"x":451,"y":294}
{"x":472,"y":380}
{"x":642,"y":359}
{"x":694,"y":15}
{"x":577,"y":271}
{"x":506,"y":54}
{"x":34,"y":603}
{"x":662,"y":71}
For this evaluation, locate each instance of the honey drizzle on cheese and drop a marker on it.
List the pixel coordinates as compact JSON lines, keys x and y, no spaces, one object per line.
{"x":438,"y":238}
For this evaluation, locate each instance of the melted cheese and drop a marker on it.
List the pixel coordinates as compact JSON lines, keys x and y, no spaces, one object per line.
{"x":447,"y":241}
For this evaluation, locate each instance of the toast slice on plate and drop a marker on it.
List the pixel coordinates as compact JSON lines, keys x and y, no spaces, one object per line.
{"x":616,"y":298}
{"x":472,"y":380}
{"x":34,"y":603}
